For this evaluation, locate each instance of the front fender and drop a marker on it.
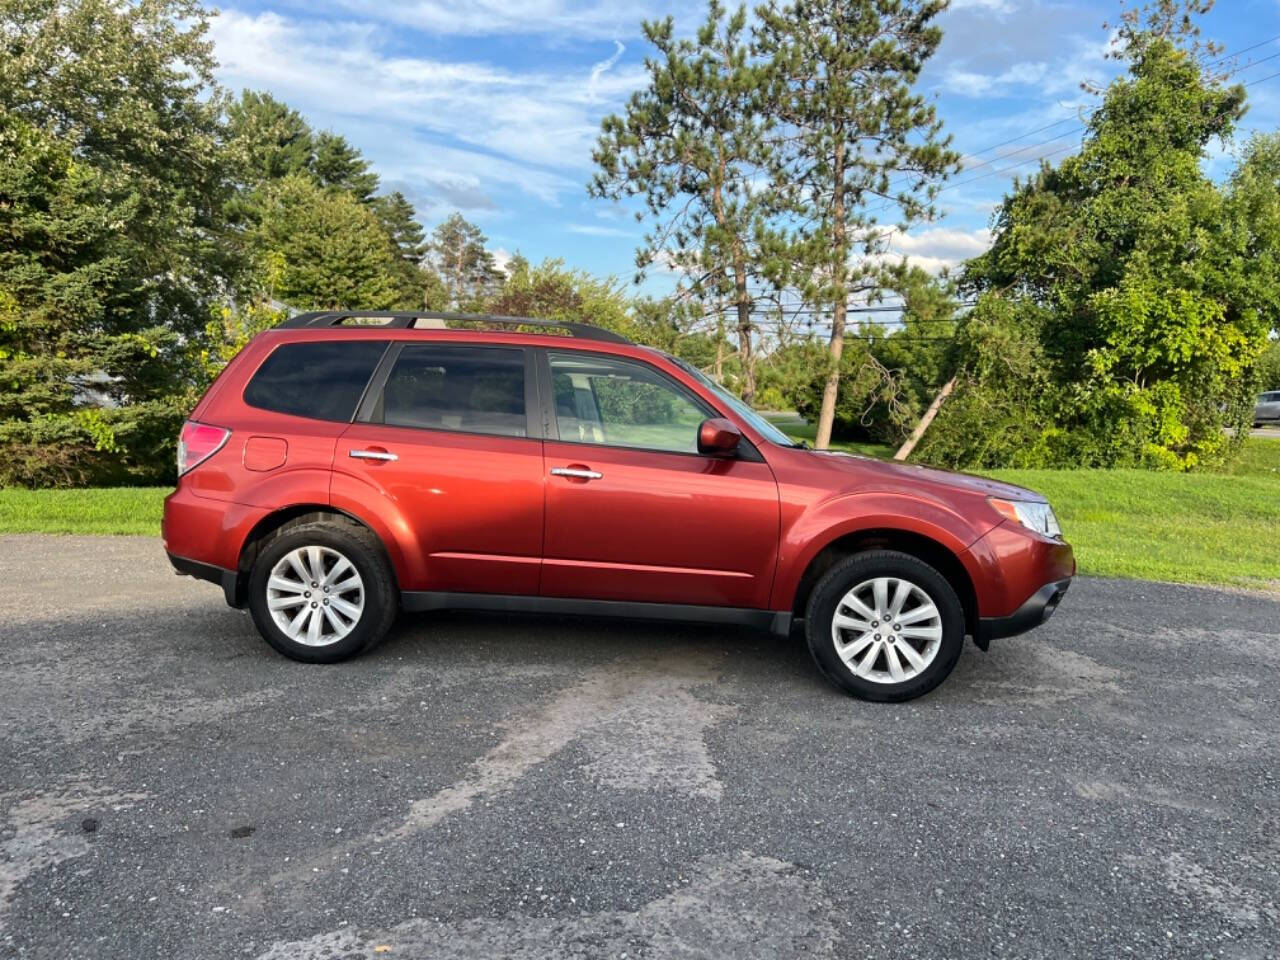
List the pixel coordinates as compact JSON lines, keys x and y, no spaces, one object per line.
{"x":853,"y":513}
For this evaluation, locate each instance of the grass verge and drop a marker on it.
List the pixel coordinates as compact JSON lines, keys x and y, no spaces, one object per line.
{"x":1219,"y":528}
{"x":110,"y":510}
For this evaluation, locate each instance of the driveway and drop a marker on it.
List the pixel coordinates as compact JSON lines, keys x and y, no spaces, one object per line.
{"x":483,"y":787}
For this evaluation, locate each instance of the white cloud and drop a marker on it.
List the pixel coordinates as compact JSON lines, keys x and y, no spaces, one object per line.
{"x":939,"y":247}
{"x":595,"y":230}
{"x":453,"y":129}
{"x":970,"y":84}
{"x":604,"y":66}
{"x":992,"y":6}
{"x":563,"y":18}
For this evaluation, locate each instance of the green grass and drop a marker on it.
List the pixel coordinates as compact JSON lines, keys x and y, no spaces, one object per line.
{"x":1221,"y":528}
{"x":110,"y":510}
{"x":798,"y":429}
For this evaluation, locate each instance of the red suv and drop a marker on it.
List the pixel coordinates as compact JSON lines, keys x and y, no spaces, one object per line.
{"x":346,"y":466}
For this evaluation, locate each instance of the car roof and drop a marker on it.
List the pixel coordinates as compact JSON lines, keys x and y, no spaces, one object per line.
{"x":433,"y":320}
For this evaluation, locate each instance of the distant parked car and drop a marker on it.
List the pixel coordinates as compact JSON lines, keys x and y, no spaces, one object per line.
{"x":1268,"y":409}
{"x":347,"y":466}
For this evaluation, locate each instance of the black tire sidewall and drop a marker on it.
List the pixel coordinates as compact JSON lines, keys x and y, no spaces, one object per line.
{"x":380,"y":601}
{"x":883,"y":563}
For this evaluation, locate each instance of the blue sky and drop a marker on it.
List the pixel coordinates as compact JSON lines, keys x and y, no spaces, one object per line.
{"x":491,"y":108}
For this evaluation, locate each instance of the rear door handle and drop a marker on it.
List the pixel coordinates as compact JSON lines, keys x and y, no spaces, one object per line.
{"x":372,"y":455}
{"x":581,"y":474}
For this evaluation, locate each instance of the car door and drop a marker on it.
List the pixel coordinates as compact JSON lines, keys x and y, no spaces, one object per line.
{"x":443,"y":435}
{"x":634,"y":512}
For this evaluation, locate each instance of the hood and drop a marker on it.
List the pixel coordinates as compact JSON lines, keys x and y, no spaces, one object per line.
{"x":911,"y":474}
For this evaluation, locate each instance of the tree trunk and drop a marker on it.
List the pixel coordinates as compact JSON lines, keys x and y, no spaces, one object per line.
{"x":904,"y":451}
{"x":742,"y":298}
{"x":827,"y":415}
{"x":718,"y":370}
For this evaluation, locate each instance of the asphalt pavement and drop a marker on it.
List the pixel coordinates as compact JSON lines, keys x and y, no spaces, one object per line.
{"x":491,"y":786}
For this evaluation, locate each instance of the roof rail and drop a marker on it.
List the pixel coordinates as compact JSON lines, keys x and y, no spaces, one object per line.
{"x":405,"y":321}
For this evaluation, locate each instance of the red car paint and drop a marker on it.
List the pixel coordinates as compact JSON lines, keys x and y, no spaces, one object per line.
{"x":478,"y":513}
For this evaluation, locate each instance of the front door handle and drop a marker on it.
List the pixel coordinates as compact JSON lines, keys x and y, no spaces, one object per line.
{"x":576,"y":472}
{"x":372,"y":455}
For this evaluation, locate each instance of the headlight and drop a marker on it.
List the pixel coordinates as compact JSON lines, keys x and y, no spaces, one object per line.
{"x":1033,"y":514}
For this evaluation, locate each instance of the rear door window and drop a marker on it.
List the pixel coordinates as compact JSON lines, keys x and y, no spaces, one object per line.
{"x":322,"y":380}
{"x":465,"y":389}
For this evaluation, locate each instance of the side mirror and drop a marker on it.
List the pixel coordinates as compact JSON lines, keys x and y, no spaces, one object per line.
{"x":718,"y":437}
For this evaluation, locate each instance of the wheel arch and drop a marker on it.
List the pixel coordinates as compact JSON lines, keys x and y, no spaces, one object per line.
{"x":922,"y":547}
{"x":273,"y":523}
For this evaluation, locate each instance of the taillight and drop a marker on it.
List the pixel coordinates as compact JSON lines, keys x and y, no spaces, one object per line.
{"x":197,"y":443}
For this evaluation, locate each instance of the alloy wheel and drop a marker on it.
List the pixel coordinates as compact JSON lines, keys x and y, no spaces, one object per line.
{"x":887,"y":630}
{"x":315,"y":595}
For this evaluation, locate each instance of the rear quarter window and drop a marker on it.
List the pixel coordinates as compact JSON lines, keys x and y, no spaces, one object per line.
{"x":322,"y":381}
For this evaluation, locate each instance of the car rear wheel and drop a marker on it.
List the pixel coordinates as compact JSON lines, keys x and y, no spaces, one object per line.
{"x":322,"y":591}
{"x":885,"y":626}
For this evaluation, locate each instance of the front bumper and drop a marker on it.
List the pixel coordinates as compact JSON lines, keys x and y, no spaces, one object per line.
{"x":1039,"y":607}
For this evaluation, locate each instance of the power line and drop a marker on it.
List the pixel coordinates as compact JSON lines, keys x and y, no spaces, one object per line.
{"x":1045,"y":143}
{"x":1253,"y":63}
{"x":1022,"y":136}
{"x":1270,"y":76}
{"x":1228,"y":56}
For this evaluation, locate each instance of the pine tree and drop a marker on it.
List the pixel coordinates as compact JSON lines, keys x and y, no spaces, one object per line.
{"x":324,"y":250}
{"x":851,"y":131}
{"x":113,"y":244}
{"x":396,"y":215}
{"x":266,"y":139}
{"x":459,"y":258}
{"x":339,"y":166}
{"x":691,"y":143}
{"x":398,"y":219}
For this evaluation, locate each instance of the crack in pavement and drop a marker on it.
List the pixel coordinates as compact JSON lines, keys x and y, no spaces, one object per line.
{"x":742,"y":907}
{"x":640,"y":721}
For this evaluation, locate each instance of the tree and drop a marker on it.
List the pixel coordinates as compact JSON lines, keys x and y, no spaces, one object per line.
{"x":396,"y":215}
{"x":325,"y":250}
{"x":552,"y":291}
{"x":266,"y":140}
{"x":691,"y":143}
{"x":1149,"y":290}
{"x":840,"y":85}
{"x":339,"y":166}
{"x":458,"y":256}
{"x":112,"y":239}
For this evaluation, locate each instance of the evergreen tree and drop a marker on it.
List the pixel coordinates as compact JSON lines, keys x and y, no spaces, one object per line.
{"x":339,"y":166}
{"x":458,"y":256}
{"x":396,"y":215}
{"x":266,"y":140}
{"x":691,"y":144}
{"x":851,"y":131}
{"x":398,"y":219}
{"x":112,"y":239}
{"x":324,"y":250}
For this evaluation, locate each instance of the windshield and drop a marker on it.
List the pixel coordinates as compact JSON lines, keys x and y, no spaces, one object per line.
{"x":758,"y":423}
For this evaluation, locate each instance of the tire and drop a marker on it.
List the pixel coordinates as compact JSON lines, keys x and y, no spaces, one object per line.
{"x":935,"y":639}
{"x":376,"y":598}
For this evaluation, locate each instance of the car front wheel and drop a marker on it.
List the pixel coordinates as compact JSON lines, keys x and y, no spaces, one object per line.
{"x":885,"y":626}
